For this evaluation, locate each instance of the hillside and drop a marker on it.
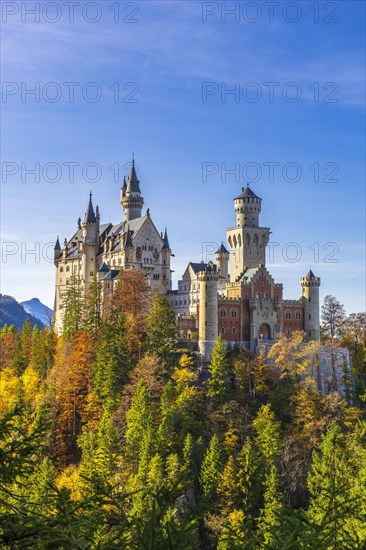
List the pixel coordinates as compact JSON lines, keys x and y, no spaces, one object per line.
{"x":38,"y":310}
{"x":13,"y":313}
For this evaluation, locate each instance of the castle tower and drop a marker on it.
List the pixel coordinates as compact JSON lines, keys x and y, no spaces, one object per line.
{"x":208,"y":310}
{"x":129,"y":248}
{"x":247,"y":240}
{"x":57,"y":250}
{"x":222,"y":260}
{"x":166,"y":253}
{"x":131,"y":198}
{"x":310,"y":296}
{"x":90,"y":238}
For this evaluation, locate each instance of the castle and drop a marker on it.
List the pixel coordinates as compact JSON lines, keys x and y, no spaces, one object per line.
{"x":101,"y":250}
{"x":236,"y":297}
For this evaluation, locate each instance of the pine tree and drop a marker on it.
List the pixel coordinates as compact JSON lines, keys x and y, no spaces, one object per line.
{"x":228,"y":489}
{"x":140,"y":419}
{"x":247,"y":479}
{"x":218,"y":385}
{"x":112,"y":362}
{"x":268,"y":519}
{"x":73,"y":305}
{"x":211,"y":469}
{"x":161,"y":329}
{"x":23,"y":348}
{"x":93,"y":306}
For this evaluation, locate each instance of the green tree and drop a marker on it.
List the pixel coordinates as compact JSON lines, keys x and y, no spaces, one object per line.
{"x":139,"y":419}
{"x":211,"y":469}
{"x":219,"y":383}
{"x":112,"y":362}
{"x":73,"y":305}
{"x":162,"y":329}
{"x":93,"y":306}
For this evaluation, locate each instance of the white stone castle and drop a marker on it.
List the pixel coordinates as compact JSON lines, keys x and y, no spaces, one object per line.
{"x":102,"y":250}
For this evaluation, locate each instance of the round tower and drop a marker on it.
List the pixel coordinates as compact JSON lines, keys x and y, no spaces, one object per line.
{"x":131,"y":198}
{"x":247,"y":207}
{"x":90,"y":238}
{"x":208,"y":310}
{"x":222,"y":260}
{"x":310,"y":297}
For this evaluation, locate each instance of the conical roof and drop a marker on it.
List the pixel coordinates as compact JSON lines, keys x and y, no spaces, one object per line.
{"x":133,"y":184}
{"x":247,"y":192}
{"x":222,"y":249}
{"x":310,"y":275}
{"x":57,"y":245}
{"x":166,"y":240}
{"x":89,"y":214}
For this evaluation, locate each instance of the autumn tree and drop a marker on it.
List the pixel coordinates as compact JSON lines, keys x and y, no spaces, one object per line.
{"x":132,"y":297}
{"x":353,"y":337}
{"x":332,"y":315}
{"x":73,"y":391}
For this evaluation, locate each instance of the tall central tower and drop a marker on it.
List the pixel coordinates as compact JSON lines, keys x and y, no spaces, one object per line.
{"x":131,"y":198}
{"x":247,"y":240}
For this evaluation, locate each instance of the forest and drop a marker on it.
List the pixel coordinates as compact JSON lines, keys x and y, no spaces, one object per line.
{"x":112,"y":438}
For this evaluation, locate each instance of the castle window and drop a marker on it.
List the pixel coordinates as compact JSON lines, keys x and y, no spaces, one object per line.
{"x":61,"y":269}
{"x":222,"y":313}
{"x":246,"y":315}
{"x":233,"y":330}
{"x":246,"y":296}
{"x":185,"y":302}
{"x":67,"y":268}
{"x":222,"y":330}
{"x":309,"y":334}
{"x":288,"y":332}
{"x":257,"y":295}
{"x":309,"y":316}
{"x":309,"y":298}
{"x":233,"y":313}
{"x":91,"y":273}
{"x":298,"y":315}
{"x":287,"y":315}
{"x":266,"y":295}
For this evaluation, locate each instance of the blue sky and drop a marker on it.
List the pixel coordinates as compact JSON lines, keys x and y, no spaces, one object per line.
{"x":171,"y":68}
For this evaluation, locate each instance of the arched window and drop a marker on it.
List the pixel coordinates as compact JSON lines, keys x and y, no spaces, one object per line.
{"x":257,"y":295}
{"x":233,"y":313}
{"x":233,"y":330}
{"x":287,"y":332}
{"x":222,"y":330}
{"x":288,"y":315}
{"x":298,"y":315}
{"x":266,"y":295}
{"x":222,"y":313}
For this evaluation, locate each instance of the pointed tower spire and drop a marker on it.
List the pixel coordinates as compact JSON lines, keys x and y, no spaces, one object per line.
{"x":166,"y":240}
{"x":131,"y":198}
{"x":133,"y":184}
{"x":128,"y":240}
{"x":89,"y":214}
{"x":57,"y":245}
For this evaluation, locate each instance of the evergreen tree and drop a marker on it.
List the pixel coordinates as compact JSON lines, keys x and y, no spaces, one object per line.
{"x":73,"y":306}
{"x":93,"y":306}
{"x":211,"y":470}
{"x":139,"y":419}
{"x":228,"y":489}
{"x":219,"y":383}
{"x":112,"y":363}
{"x":162,"y":329}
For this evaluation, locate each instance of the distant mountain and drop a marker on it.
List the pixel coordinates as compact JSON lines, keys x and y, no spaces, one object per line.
{"x":13,"y":313}
{"x":37,"y":309}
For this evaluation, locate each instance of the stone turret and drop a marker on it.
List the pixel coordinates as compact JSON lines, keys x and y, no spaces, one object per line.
{"x":90,"y":238}
{"x":310,"y":297}
{"x":166,"y":253}
{"x":57,"y":249}
{"x":208,"y":320}
{"x":131,"y":198}
{"x":247,"y":240}
{"x":247,"y":208}
{"x":222,"y":261}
